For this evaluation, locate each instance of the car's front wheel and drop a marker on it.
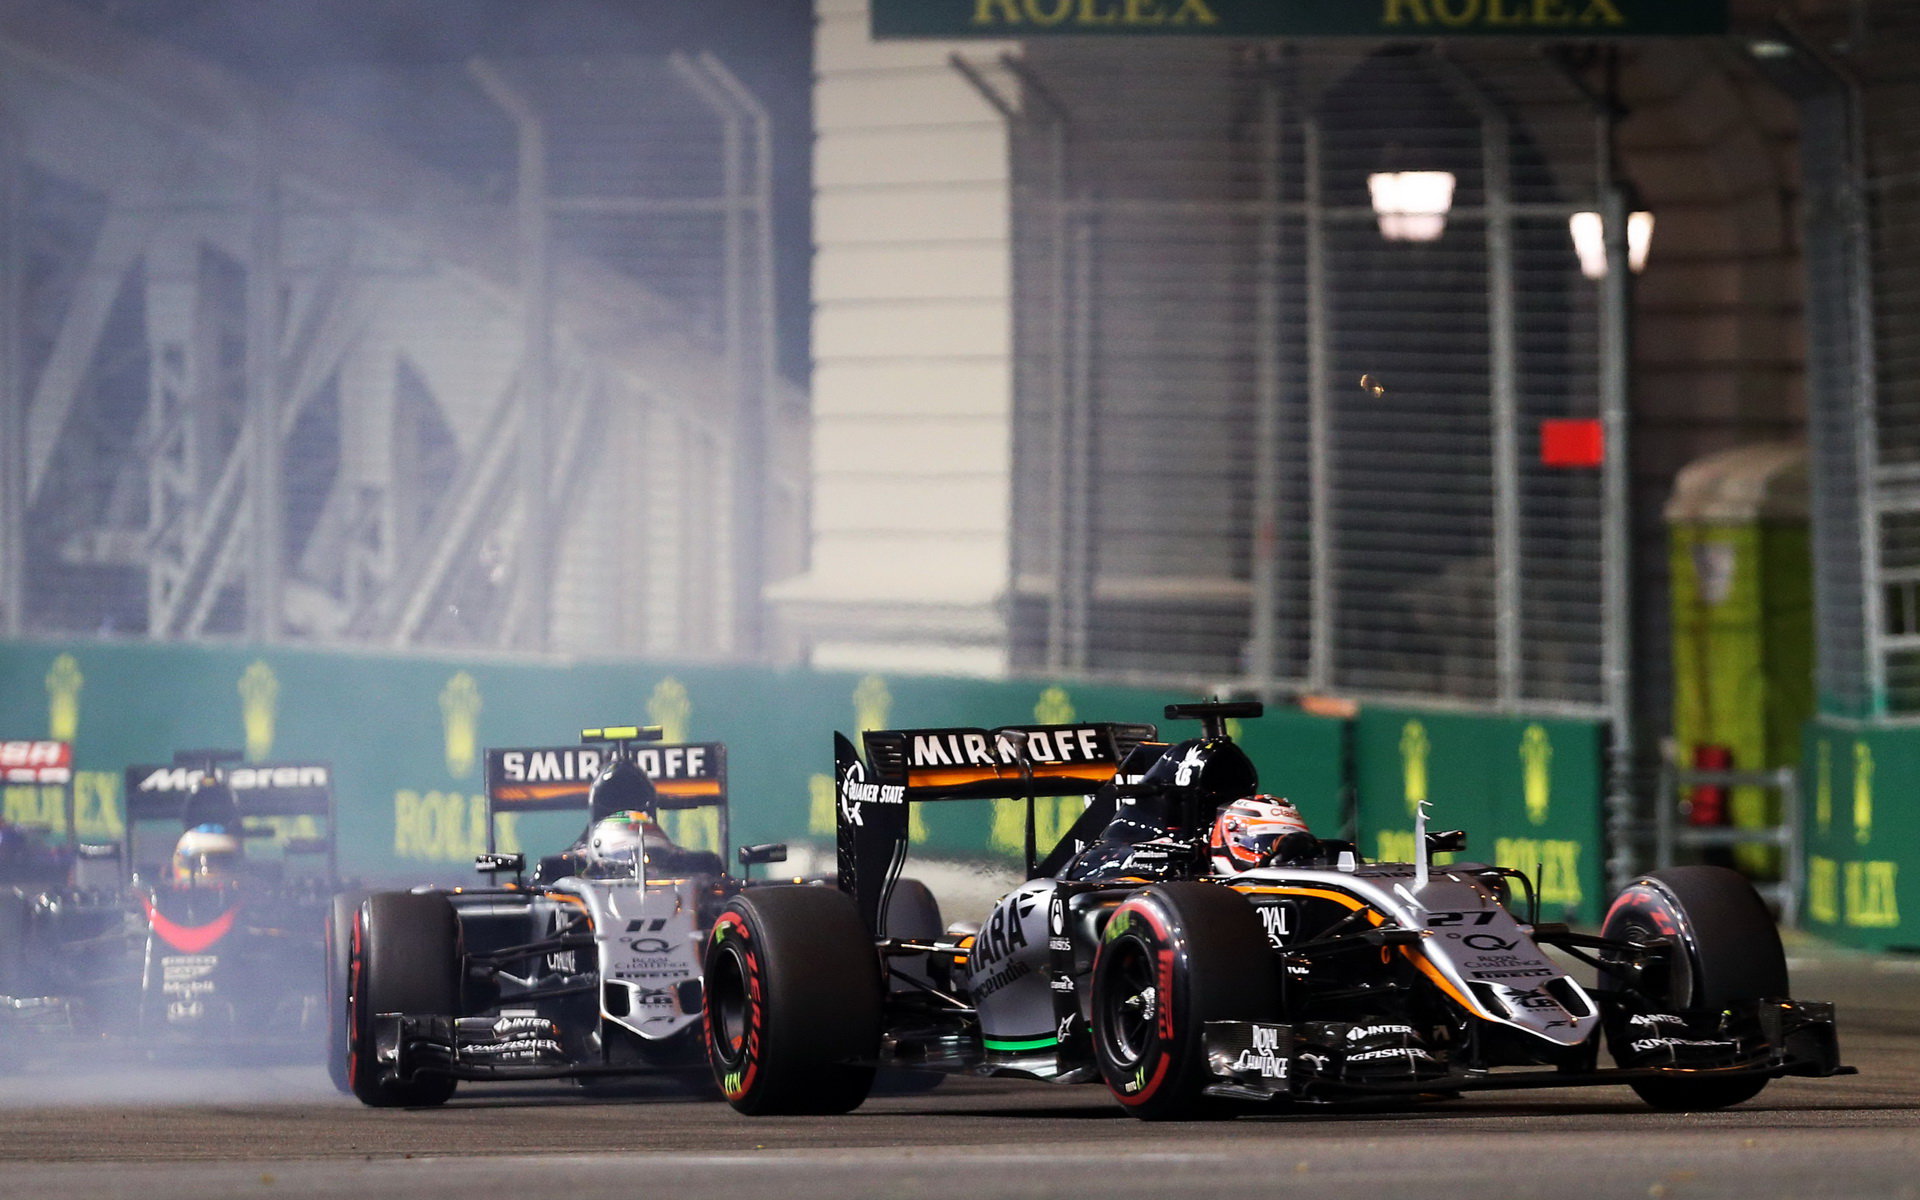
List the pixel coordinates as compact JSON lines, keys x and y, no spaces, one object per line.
{"x":403,"y":956}
{"x":339,"y":937}
{"x":1173,"y":957}
{"x":791,"y":1005}
{"x":1722,"y":950}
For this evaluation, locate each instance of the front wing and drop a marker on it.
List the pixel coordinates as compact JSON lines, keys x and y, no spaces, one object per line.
{"x":493,"y":1047}
{"x":1311,"y":1061}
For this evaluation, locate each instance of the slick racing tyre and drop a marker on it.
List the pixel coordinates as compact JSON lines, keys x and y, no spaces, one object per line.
{"x":340,"y":915}
{"x":1173,"y":957}
{"x":792,"y":1001}
{"x":1726,"y":951}
{"x":403,"y":956}
{"x":912,"y":913}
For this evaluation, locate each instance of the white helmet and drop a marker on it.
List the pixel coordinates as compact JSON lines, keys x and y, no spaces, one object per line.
{"x":615,"y":840}
{"x":206,"y":854}
{"x":1245,"y":831}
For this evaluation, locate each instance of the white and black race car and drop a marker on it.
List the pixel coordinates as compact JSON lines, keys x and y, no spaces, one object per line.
{"x":1130,"y":956}
{"x":588,"y":968}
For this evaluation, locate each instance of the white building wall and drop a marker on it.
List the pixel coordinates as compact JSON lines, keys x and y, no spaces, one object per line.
{"x":912,"y":376}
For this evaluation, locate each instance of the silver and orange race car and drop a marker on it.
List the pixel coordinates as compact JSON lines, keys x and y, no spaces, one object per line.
{"x":586,"y":967}
{"x":1136,"y":957}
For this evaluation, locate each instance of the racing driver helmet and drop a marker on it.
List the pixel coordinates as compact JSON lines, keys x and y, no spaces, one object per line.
{"x":1246,"y":831}
{"x":206,"y":855}
{"x":615,"y":840}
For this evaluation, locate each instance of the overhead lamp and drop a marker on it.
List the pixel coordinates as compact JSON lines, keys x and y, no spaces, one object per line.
{"x":1412,"y":205}
{"x":1590,"y":242}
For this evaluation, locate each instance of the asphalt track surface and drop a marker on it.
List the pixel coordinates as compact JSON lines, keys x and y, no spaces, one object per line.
{"x":90,"y":1125}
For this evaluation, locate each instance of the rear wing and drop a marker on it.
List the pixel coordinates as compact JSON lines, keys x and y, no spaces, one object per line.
{"x":174,"y":791}
{"x":912,"y":766}
{"x":39,"y":764}
{"x":560,"y":778}
{"x":292,"y":789}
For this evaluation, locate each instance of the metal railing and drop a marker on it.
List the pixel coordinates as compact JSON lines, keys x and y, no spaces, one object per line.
{"x":1677,"y":841}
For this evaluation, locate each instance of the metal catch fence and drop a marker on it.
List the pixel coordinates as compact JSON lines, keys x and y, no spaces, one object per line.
{"x":477,"y":355}
{"x":1265,"y":436}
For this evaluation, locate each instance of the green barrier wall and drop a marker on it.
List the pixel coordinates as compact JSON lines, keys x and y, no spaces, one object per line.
{"x":1527,"y":791}
{"x":1862,"y":829}
{"x":404,"y":735}
{"x":1301,"y":757}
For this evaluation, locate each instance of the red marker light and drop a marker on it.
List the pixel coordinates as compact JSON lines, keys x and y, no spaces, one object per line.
{"x":1572,"y":442}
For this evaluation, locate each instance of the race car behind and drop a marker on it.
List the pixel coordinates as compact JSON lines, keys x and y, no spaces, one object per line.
{"x":217,"y":942}
{"x":230,"y":924}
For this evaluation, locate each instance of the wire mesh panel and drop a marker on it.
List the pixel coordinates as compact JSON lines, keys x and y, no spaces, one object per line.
{"x":1893,"y":199}
{"x":1860,"y":148}
{"x":1412,"y":530}
{"x":1134,"y":363}
{"x":636,"y":175}
{"x":1846,"y":667}
{"x":281,"y":358}
{"x":1309,"y":443}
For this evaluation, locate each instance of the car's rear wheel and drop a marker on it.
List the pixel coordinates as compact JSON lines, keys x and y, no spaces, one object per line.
{"x":912,"y":911}
{"x":1725,"y":951}
{"x":913,"y":914}
{"x":1173,"y":957}
{"x":792,"y":1002}
{"x":403,"y":956}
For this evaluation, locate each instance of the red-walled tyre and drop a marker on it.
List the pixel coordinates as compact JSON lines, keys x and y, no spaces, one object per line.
{"x":1173,"y":957}
{"x":1726,"y":951}
{"x":403,"y":956}
{"x":340,"y":917}
{"x":792,"y":1002}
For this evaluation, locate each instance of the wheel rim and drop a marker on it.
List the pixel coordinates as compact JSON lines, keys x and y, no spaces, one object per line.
{"x":727,"y":1008}
{"x":1130,"y":1003}
{"x":1671,"y":981}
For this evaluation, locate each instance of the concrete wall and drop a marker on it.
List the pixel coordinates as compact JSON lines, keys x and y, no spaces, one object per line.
{"x":912,"y":378}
